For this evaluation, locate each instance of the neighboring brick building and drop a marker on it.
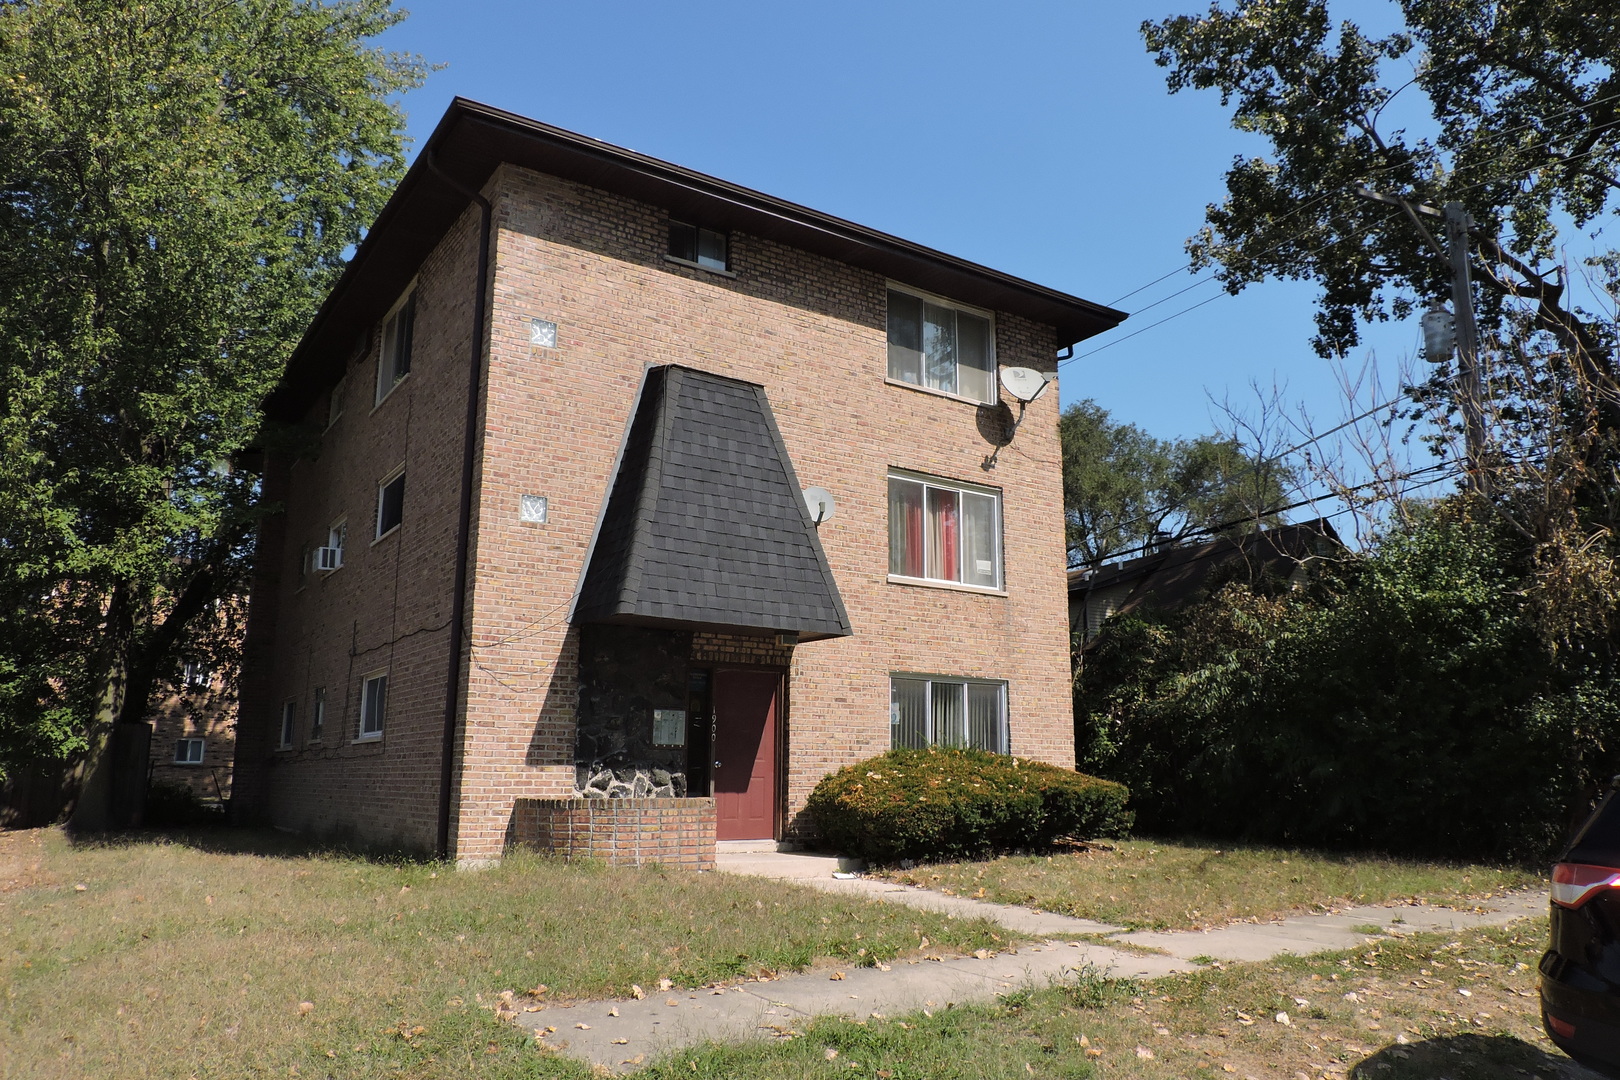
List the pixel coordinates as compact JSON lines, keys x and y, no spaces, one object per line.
{"x":194,"y":734}
{"x":663,"y":359}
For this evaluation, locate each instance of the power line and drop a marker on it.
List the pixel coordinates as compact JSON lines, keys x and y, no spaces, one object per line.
{"x":1562,"y":161}
{"x":1211,"y":530}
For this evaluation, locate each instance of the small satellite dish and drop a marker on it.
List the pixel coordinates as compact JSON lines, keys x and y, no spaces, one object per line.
{"x":819,"y":502}
{"x":1023,"y":383}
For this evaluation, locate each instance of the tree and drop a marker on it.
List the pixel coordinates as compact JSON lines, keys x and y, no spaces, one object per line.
{"x":1124,"y":489}
{"x":181,"y":182}
{"x":1525,"y":97}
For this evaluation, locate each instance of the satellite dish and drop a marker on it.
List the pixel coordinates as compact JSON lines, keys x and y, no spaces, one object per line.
{"x":1023,"y":383}
{"x":819,"y":502}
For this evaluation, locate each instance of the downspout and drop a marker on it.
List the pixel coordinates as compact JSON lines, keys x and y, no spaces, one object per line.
{"x":469,"y":450}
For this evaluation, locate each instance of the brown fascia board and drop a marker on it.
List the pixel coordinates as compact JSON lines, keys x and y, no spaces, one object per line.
{"x":472,"y":140}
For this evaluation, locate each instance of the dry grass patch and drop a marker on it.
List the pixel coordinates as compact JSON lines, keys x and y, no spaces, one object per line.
{"x":1148,"y":885}
{"x":1390,"y":1011}
{"x":229,"y":955}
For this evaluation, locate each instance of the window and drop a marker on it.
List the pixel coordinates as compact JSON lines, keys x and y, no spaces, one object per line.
{"x":188,"y":752}
{"x":927,"y":710}
{"x":195,"y":675}
{"x":399,"y":331}
{"x":699,"y":247}
{"x":940,"y":531}
{"x":289,"y":718}
{"x":317,"y":714}
{"x":390,"y":504}
{"x":330,"y":557}
{"x":941,"y":346}
{"x":334,"y":404}
{"x":373,"y":704}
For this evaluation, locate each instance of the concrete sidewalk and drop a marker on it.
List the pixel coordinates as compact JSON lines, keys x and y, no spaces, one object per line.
{"x":624,"y":1035}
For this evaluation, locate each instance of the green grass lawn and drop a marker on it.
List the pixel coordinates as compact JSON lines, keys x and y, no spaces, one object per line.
{"x":1392,"y":1011}
{"x":1159,"y":885}
{"x":230,"y":955}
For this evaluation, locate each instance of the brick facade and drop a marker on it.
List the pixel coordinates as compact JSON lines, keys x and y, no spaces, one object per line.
{"x":810,"y":330}
{"x":622,"y":832}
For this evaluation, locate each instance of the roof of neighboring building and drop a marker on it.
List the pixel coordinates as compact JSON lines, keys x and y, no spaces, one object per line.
{"x":705,"y":524}
{"x":1169,"y":578}
{"x":472,"y":140}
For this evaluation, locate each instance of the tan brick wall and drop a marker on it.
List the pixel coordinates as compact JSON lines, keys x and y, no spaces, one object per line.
{"x":622,"y":832}
{"x":388,"y":608}
{"x":811,"y":330}
{"x":206,"y":713}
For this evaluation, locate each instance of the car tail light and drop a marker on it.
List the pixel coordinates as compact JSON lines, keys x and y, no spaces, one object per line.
{"x":1573,"y":884}
{"x":1562,"y":1028}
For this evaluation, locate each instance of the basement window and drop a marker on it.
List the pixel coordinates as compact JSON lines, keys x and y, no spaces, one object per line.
{"x":289,"y":721}
{"x":695,"y":246}
{"x":188,"y":752}
{"x":931,"y":710}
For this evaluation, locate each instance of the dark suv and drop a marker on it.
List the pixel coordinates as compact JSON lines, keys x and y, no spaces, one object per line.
{"x":1580,"y":974}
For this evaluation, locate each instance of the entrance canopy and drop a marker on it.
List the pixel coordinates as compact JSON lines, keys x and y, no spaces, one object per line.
{"x":705,"y":525}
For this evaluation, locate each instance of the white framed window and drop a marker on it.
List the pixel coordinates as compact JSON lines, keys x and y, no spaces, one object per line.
{"x":317,"y":715}
{"x":941,"y":710}
{"x":943,"y":531}
{"x":196,"y":675}
{"x":334,"y":404}
{"x":398,"y":338}
{"x":188,"y":751}
{"x":373,"y":704}
{"x":391,"y":503}
{"x":942,"y":346}
{"x":695,"y":246}
{"x":289,"y":724}
{"x":330,"y":556}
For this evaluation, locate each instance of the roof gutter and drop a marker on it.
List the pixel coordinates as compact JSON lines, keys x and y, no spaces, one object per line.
{"x":469,"y":450}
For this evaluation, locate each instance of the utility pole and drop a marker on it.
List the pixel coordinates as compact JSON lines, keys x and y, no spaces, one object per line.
{"x":1470,"y":387}
{"x":1470,"y":384}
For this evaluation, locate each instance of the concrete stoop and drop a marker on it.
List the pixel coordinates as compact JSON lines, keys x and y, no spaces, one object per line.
{"x":624,"y":1035}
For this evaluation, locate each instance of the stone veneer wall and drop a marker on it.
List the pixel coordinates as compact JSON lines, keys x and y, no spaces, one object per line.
{"x":622,"y":832}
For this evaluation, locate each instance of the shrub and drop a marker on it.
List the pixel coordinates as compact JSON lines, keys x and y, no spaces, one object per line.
{"x":173,"y":806}
{"x":940,"y":804}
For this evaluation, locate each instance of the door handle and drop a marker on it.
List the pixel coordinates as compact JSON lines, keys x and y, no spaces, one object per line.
{"x":717,"y":764}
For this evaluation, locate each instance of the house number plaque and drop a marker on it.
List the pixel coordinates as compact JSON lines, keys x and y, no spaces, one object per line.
{"x":669,"y":727}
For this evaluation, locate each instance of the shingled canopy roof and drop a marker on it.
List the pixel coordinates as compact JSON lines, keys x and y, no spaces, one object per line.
{"x":705,"y":525}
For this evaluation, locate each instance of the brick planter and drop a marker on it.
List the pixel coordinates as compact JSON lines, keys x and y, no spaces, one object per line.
{"x":622,"y":832}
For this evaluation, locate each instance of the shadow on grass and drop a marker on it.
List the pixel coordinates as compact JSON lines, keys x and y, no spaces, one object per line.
{"x":1468,"y":1057}
{"x":234,"y":840}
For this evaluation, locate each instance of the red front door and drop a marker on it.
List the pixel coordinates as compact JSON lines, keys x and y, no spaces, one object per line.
{"x":746,"y":710}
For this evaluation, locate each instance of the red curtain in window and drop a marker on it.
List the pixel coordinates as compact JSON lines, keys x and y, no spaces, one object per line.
{"x":944,"y":541}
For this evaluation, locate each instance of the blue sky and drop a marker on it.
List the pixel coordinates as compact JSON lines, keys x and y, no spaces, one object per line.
{"x":1034,"y":137}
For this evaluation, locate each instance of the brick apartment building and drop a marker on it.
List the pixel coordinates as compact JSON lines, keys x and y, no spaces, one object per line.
{"x":589,"y":387}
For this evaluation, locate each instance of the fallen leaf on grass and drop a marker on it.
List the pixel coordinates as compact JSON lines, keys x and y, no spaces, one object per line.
{"x":1282,"y":1018}
{"x":305,"y":1008}
{"x":637,"y":992}
{"x":665,"y":984}
{"x":829,"y":1053}
{"x":1144,"y":1053}
{"x":637,"y":1060}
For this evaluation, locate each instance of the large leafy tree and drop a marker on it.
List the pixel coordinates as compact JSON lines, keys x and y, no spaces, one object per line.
{"x":1524,"y":97}
{"x":1123,"y":488}
{"x":179,"y":183}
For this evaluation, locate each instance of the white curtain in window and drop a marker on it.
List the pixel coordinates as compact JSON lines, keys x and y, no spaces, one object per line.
{"x":979,"y":547}
{"x":939,"y":347}
{"x":946,"y":707}
{"x":984,"y":717}
{"x":908,"y":713}
{"x":975,"y":371}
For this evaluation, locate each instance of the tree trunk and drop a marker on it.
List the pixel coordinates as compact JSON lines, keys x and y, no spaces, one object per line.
{"x":93,"y":807}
